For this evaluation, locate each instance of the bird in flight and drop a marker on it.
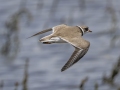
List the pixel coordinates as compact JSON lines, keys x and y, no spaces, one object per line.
{"x":68,"y":34}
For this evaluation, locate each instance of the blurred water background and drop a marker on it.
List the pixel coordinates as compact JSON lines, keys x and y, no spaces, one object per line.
{"x":27,"y":64}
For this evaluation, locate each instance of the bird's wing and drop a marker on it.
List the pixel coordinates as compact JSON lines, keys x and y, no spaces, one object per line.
{"x":41,"y":32}
{"x":73,"y":40}
{"x":75,"y":57}
{"x":78,"y":53}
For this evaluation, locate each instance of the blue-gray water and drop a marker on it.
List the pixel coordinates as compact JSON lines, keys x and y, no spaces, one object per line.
{"x":46,"y":61}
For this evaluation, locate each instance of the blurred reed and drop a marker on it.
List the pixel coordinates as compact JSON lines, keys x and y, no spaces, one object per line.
{"x":118,"y":88}
{"x":25,"y":79}
{"x":96,"y":86}
{"x":110,"y":11}
{"x":106,"y":79}
{"x":11,"y":46}
{"x":1,"y":85}
{"x":81,"y":86}
{"x":12,"y":38}
{"x":114,"y":23}
{"x":114,"y":73}
{"x":16,"y":86}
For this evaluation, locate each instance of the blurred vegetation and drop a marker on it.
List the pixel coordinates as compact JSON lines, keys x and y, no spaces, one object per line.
{"x":12,"y":42}
{"x":81,"y":86}
{"x":106,"y":80}
{"x":24,"y":81}
{"x":114,"y":73}
{"x":1,"y":85}
{"x":114,"y":27}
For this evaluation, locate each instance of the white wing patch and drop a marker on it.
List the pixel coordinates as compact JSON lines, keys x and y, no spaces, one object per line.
{"x":57,"y":40}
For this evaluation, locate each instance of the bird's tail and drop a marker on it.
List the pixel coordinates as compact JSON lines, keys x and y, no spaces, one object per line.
{"x":41,"y":32}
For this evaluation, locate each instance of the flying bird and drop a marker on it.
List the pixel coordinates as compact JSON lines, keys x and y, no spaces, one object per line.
{"x":68,"y":34}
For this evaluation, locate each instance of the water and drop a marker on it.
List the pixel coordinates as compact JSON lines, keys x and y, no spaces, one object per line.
{"x":46,"y":61}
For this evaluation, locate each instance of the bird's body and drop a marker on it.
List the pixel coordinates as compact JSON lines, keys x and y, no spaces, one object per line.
{"x":68,"y":34}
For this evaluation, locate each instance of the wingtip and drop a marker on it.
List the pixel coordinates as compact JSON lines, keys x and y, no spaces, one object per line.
{"x":29,"y":37}
{"x":63,"y":69}
{"x":41,"y":32}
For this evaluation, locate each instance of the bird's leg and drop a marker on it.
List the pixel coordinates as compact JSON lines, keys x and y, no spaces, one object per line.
{"x":46,"y":43}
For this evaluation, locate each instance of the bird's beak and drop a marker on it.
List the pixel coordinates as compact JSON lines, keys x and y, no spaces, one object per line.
{"x":89,"y":31}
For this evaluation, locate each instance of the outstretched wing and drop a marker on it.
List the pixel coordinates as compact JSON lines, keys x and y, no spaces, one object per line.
{"x":75,"y":57}
{"x":41,"y":32}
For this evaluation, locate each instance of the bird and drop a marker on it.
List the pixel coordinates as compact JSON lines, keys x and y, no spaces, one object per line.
{"x":68,"y":34}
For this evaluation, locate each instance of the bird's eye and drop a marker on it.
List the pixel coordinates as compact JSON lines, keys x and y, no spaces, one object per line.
{"x":86,"y":29}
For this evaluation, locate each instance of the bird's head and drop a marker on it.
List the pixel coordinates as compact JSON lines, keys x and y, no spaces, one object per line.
{"x":84,"y":29}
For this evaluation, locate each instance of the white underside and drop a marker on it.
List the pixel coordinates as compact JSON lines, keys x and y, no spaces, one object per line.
{"x":55,"y":40}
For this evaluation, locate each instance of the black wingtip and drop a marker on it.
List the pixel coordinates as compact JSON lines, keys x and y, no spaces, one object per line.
{"x":30,"y":37}
{"x":63,"y":69}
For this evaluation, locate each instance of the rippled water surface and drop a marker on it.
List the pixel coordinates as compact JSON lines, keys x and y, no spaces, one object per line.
{"x":46,"y":61}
